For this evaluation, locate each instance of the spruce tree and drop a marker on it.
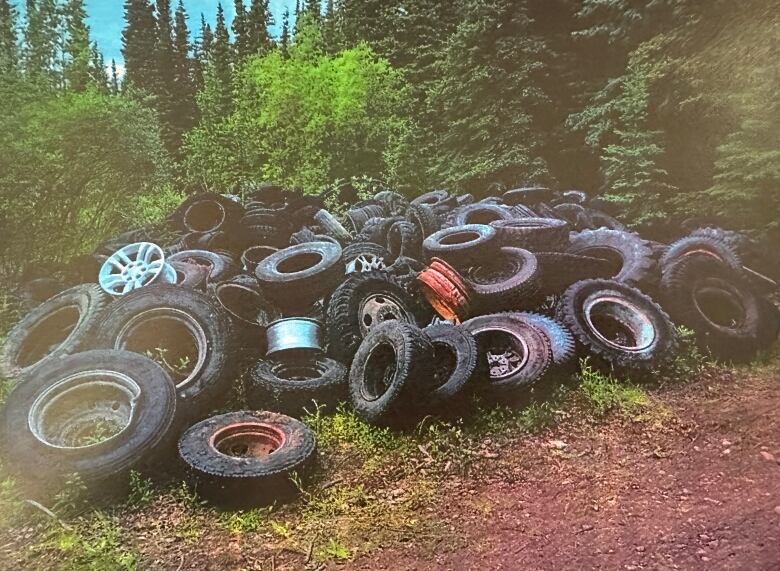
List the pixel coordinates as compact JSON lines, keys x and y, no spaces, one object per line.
{"x":284,"y":38}
{"x":114,"y":78}
{"x":200,"y":54}
{"x":216,"y":99}
{"x":240,"y":32}
{"x":164,"y":55}
{"x":139,"y":41}
{"x":184,"y":110}
{"x":259,"y":20}
{"x":98,"y":77}
{"x":328,"y":26}
{"x":9,"y":52}
{"x":314,"y":10}
{"x":78,"y":50}
{"x":41,"y":42}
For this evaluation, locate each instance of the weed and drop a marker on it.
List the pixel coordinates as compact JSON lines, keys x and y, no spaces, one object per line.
{"x":605,"y":394}
{"x":10,"y":503}
{"x":94,"y":546}
{"x":141,"y":491}
{"x":187,"y":496}
{"x":72,"y":496}
{"x":689,"y":362}
{"x":99,"y":431}
{"x":188,"y":529}
{"x":336,"y":550}
{"x":247,"y":521}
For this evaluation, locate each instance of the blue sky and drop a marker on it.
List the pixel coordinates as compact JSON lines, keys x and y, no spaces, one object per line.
{"x":106,"y":19}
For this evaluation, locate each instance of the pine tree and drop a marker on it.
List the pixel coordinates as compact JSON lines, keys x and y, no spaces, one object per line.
{"x":164,"y":55}
{"x":184,"y":110}
{"x":77,"y":48}
{"x":259,"y":20}
{"x":216,"y":98}
{"x":9,"y":52}
{"x":98,"y":77}
{"x":201,"y":53}
{"x":329,"y":36}
{"x":41,"y":42}
{"x":284,"y":38}
{"x":314,"y":9}
{"x":139,"y":40}
{"x":240,"y":32}
{"x":114,"y":78}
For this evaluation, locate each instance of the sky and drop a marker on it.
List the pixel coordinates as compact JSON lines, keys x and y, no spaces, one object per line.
{"x":106,"y":20}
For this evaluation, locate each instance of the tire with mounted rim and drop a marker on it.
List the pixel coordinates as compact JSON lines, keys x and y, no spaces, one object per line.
{"x":98,"y":414}
{"x":534,"y":234}
{"x":247,"y":458}
{"x":507,"y":280}
{"x":460,"y":245}
{"x":455,"y":360}
{"x":631,"y":257}
{"x":183,"y":330}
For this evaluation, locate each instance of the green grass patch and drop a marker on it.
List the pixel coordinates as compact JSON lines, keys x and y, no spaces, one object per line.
{"x":604,"y":394}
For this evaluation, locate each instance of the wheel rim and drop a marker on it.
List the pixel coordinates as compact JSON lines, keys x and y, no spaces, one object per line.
{"x":619,"y":323}
{"x":366,"y":263}
{"x":84,"y":410}
{"x":204,"y":216}
{"x":294,"y":334}
{"x":379,"y":308}
{"x":380,"y":369}
{"x":505,"y":351}
{"x":293,"y":372}
{"x":247,"y":440}
{"x":719,"y":306}
{"x":170,"y":337}
{"x":135,"y":266}
{"x":241,"y":302}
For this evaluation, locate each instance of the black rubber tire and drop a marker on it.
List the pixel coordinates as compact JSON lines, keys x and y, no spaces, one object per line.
{"x":177,"y":321}
{"x":391,"y":370}
{"x":574,"y":214}
{"x":300,"y":275}
{"x":770,"y":324}
{"x":423,"y":216}
{"x":479,"y":213}
{"x":461,"y":246}
{"x":221,"y":212}
{"x":502,"y":328}
{"x":530,"y":195}
{"x":534,"y":234}
{"x":249,"y":309}
{"x":692,"y":275}
{"x":558,"y":270}
{"x":221,"y":267}
{"x":344,"y":326}
{"x":630,"y":255}
{"x":455,"y":358}
{"x":357,"y":217}
{"x":508,"y":280}
{"x":404,"y":240}
{"x":712,"y":245}
{"x":432,"y":198}
{"x":574,"y":196}
{"x":562,"y":344}
{"x":395,"y":204}
{"x":39,"y":290}
{"x":331,"y":226}
{"x":646,"y":316}
{"x":290,"y":385}
{"x":238,"y":479}
{"x":599,"y":219}
{"x":44,"y":466}
{"x":376,"y":230}
{"x":191,"y":275}
{"x":60,"y":326}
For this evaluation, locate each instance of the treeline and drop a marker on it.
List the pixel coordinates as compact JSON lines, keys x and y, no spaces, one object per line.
{"x":670,"y":109}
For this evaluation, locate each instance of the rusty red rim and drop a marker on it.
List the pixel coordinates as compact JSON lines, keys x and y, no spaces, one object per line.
{"x":247,"y":440}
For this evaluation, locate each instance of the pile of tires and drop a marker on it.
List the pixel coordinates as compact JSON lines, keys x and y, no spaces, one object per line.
{"x":402,"y":309}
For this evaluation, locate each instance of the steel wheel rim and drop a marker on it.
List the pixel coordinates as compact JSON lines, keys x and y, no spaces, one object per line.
{"x":380,"y":370}
{"x":62,"y":416}
{"x":615,"y":321}
{"x":366,"y":263}
{"x":247,"y":440}
{"x":134,"y":266}
{"x":378,"y":308}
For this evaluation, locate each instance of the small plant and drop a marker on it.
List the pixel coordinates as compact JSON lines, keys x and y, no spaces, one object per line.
{"x":72,"y":497}
{"x":179,"y":368}
{"x":605,"y":394}
{"x":247,"y":521}
{"x":98,"y":431}
{"x":187,"y":496}
{"x":335,"y":549}
{"x":141,"y":491}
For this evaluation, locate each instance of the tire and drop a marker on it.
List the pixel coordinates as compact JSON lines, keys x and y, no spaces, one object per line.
{"x":394,"y":203}
{"x":290,"y":386}
{"x":500,"y":338}
{"x":599,"y":219}
{"x":563,"y":346}
{"x":508,"y":280}
{"x":300,"y":275}
{"x":558,"y":270}
{"x":39,"y":290}
{"x":332,"y":227}
{"x":617,"y":324}
{"x":424,"y":218}
{"x":364,"y":257}
{"x":716,"y":302}
{"x":178,"y":327}
{"x":479,"y":213}
{"x":360,"y":303}
{"x":190,"y":275}
{"x":574,"y":214}
{"x":460,"y":245}
{"x":254,"y":255}
{"x":433,"y":198}
{"x":711,"y":245}
{"x":220,"y":267}
{"x":207,"y":212}
{"x":531,"y":195}
{"x":357,"y":217}
{"x":228,"y":459}
{"x":48,"y":432}
{"x":60,"y":326}
{"x":391,"y":370}
{"x":376,"y":230}
{"x":631,"y":256}
{"x":403,"y":240}
{"x":241,"y":298}
{"x":455,"y":356}
{"x":445,"y":290}
{"x":534,"y":234}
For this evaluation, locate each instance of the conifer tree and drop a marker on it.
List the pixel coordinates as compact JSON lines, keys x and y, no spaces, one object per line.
{"x":184,"y":109}
{"x":216,"y":97}
{"x":166,"y":70}
{"x":240,"y":32}
{"x":9,"y":52}
{"x":78,"y":50}
{"x":114,"y":78}
{"x":259,"y":20}
{"x":284,"y":38}
{"x":139,"y":41}
{"x":98,"y":77}
{"x":41,"y":42}
{"x":329,"y":36}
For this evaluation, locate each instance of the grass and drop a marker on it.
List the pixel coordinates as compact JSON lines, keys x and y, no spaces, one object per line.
{"x":604,"y":394}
